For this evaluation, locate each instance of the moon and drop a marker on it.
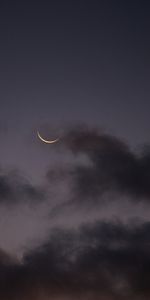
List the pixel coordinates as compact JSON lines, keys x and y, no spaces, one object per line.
{"x":46,"y":141}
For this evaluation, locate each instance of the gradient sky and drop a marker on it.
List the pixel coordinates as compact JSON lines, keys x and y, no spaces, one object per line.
{"x":65,"y":61}
{"x":63,"y":64}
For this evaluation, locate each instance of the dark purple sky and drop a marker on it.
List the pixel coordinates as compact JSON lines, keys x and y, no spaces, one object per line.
{"x":70,"y":60}
{"x":63,"y":63}
{"x":75,"y":61}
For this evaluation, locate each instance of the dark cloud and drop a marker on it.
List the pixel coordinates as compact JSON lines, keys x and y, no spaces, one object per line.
{"x":15,"y":189}
{"x":112,"y":166}
{"x":98,"y":261}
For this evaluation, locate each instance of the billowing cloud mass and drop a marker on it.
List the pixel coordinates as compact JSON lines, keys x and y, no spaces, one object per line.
{"x":113,"y":165}
{"x":85,"y":255}
{"x":99,"y":261}
{"x":15,"y":188}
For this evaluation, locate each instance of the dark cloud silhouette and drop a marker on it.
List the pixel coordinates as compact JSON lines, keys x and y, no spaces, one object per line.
{"x":113,"y":166}
{"x":98,"y":261}
{"x":15,"y":189}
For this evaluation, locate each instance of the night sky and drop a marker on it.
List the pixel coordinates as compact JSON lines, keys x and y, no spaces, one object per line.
{"x":75,"y":215}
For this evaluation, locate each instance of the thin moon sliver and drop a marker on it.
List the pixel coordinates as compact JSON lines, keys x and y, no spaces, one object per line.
{"x":47,"y":141}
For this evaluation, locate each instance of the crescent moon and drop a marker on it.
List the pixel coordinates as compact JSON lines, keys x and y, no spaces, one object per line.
{"x":47,"y":141}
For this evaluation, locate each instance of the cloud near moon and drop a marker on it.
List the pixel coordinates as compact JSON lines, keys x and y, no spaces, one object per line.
{"x":90,"y":228}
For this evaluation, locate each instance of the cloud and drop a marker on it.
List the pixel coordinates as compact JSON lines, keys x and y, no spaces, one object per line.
{"x":97,"y":261}
{"x":99,"y":258}
{"x":112,"y":166}
{"x":15,"y":189}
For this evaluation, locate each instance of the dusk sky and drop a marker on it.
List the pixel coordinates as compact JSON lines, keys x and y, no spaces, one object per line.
{"x":75,"y":214}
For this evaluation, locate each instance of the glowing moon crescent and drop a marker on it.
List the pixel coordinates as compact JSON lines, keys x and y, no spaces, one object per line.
{"x":47,"y":141}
